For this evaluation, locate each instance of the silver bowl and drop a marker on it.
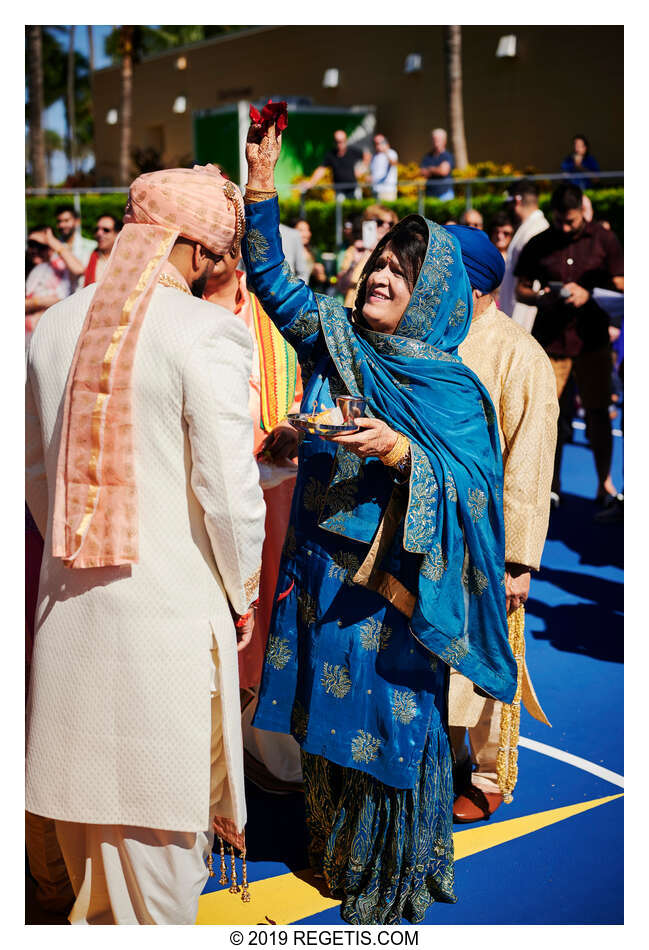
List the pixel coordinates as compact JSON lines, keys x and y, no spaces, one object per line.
{"x":351,"y":407}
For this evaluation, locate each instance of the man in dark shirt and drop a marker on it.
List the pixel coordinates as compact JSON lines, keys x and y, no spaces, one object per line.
{"x":569,"y":260}
{"x":437,"y":166}
{"x":342,"y":159}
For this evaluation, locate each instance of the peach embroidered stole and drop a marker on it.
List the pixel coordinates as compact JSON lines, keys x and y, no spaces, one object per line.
{"x":95,"y":508}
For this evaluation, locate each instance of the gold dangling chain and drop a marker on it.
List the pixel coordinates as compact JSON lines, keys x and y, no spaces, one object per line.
{"x":245,"y":896}
{"x":234,"y":887}
{"x":224,"y":874}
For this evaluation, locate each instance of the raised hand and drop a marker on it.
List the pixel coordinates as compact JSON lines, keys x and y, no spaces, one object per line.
{"x":263,"y":147}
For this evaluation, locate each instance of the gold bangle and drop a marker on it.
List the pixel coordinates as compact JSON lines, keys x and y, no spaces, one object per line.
{"x":254,"y":194}
{"x":397,"y":452}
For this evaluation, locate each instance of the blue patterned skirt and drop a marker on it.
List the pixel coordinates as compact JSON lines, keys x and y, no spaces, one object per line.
{"x":386,"y":853}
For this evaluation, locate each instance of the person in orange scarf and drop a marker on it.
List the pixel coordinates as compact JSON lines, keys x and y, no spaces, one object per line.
{"x":275,"y":390}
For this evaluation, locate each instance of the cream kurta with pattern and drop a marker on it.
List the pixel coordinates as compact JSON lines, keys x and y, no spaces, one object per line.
{"x":521,"y":383}
{"x":119,"y":712}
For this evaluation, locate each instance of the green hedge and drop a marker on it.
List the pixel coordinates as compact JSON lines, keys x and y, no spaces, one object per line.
{"x":608,"y":205}
{"x":607,"y":202}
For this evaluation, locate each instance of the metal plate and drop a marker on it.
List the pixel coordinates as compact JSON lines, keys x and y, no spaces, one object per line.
{"x":304,"y":423}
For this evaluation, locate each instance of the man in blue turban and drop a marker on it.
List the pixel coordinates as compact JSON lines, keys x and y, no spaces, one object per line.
{"x":520,"y":380}
{"x":482,"y":260}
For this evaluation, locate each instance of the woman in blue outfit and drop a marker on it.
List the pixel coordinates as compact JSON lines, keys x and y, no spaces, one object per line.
{"x":393,"y":567}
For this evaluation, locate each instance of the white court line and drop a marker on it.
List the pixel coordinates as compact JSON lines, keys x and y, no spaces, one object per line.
{"x":575,"y":760}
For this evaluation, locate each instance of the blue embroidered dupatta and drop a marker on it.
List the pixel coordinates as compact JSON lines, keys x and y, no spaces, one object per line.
{"x":415,"y":381}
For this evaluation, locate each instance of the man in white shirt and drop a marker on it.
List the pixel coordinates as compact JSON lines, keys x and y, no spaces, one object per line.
{"x":71,"y":248}
{"x":524,"y":202}
{"x":383,"y":169}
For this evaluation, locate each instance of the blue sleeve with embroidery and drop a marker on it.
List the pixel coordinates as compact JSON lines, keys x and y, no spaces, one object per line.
{"x":291,"y":305}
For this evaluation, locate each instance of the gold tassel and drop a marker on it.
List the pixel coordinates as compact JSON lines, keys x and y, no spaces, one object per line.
{"x":224,"y":874}
{"x":234,"y":887}
{"x":245,"y":896}
{"x":210,"y":864}
{"x":510,"y":717}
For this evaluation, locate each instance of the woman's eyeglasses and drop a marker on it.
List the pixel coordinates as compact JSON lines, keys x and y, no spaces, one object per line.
{"x":104,"y":230}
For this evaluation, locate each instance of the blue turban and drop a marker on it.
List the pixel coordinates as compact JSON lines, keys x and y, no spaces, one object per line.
{"x":482,"y":260}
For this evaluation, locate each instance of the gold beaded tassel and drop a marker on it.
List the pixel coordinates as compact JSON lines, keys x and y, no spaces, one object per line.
{"x":510,"y":717}
{"x":234,"y":887}
{"x":245,"y":889}
{"x":224,"y":874}
{"x":210,"y":864}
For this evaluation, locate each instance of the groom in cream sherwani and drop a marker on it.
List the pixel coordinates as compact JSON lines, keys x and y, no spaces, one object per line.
{"x":141,"y":479}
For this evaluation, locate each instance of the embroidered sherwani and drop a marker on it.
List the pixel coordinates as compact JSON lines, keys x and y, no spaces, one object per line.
{"x":520,"y":380}
{"x":127,"y":660}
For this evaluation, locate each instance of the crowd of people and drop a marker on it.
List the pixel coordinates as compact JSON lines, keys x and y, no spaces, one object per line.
{"x":58,"y":264}
{"x":586,"y":270}
{"x":352,"y":167}
{"x":332,"y":609}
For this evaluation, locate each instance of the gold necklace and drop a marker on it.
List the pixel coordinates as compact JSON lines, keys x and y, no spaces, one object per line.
{"x":168,"y":281}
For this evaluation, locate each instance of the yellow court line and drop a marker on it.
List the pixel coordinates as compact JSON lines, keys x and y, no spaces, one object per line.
{"x":290,"y":897}
{"x":474,"y":840}
{"x":284,"y":899}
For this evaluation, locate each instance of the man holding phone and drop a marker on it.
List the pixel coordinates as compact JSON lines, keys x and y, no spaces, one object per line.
{"x":569,"y":260}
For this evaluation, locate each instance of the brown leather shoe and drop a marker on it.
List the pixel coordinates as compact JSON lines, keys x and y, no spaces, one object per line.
{"x":475,"y":805}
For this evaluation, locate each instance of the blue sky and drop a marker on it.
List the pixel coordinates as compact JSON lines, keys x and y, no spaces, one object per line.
{"x":55,"y":115}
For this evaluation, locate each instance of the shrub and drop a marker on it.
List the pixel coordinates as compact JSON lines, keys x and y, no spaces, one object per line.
{"x":608,"y":204}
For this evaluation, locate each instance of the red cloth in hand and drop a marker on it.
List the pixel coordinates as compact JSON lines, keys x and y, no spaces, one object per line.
{"x":272,"y":112}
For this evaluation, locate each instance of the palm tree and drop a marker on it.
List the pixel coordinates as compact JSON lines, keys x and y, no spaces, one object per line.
{"x":453,"y":49}
{"x":70,"y":101}
{"x":91,"y":50}
{"x":91,"y":69}
{"x":126,"y":103}
{"x":36,"y":135}
{"x":128,"y":44}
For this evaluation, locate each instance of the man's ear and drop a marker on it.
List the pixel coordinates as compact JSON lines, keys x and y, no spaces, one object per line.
{"x":197,"y":256}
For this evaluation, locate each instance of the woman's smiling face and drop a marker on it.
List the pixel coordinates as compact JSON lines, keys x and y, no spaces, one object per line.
{"x":387,"y":293}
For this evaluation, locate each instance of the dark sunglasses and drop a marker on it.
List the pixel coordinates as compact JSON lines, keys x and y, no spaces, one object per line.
{"x":105,"y":230}
{"x":381,"y":222}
